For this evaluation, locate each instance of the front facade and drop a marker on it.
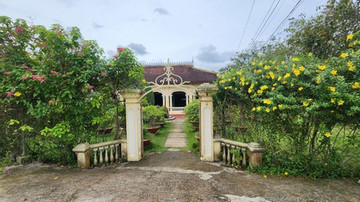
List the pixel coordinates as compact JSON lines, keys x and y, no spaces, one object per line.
{"x":174,"y":84}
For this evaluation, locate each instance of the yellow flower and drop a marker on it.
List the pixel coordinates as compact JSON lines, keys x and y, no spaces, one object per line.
{"x":233,"y":78}
{"x":286,"y":173}
{"x":274,"y":108}
{"x":301,"y":68}
{"x":253,"y":109}
{"x":217,"y":74}
{"x":280,"y":105}
{"x":260,"y":63}
{"x":251,"y":87}
{"x":253,"y":63}
{"x":267,"y":101}
{"x":222,"y":81}
{"x":284,"y":82}
{"x":259,"y":91}
{"x":258,"y":54}
{"x":266,"y":67}
{"x":310,"y":54}
{"x":282,"y":62}
{"x":305,"y":104}
{"x":332,"y":100}
{"x":265,"y":176}
{"x":273,"y":88}
{"x":271,"y":75}
{"x":344,"y":55}
{"x":226,"y":88}
{"x":327,"y":134}
{"x":258,"y":71}
{"x":318,"y":79}
{"x":332,"y":89}
{"x":144,"y":81}
{"x":356,"y":85}
{"x":341,"y":102}
{"x":291,"y":84}
{"x":322,"y":67}
{"x":267,"y":110}
{"x":238,"y":73}
{"x":258,"y":108}
{"x":351,"y":66}
{"x":300,"y":88}
{"x":264,"y":87}
{"x":296,"y":72}
{"x":286,"y":75}
{"x":279,"y":78}
{"x":17,"y":94}
{"x":274,"y":84}
{"x":333,"y":72}
{"x":350,"y":36}
{"x":295,"y":59}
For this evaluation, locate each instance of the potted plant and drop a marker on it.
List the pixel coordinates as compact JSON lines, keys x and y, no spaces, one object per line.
{"x":152,"y":115}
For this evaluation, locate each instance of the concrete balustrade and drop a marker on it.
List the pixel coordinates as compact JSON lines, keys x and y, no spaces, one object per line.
{"x":103,"y":153}
{"x":247,"y":152}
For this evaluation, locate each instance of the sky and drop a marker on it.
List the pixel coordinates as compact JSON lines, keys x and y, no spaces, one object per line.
{"x":207,"y":32}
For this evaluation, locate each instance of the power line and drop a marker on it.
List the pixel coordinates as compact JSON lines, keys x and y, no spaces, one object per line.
{"x":267,"y":20}
{"x":247,"y":22}
{"x":282,"y":22}
{"x":261,"y":24}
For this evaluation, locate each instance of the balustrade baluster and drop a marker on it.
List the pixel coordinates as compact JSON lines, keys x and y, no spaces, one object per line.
{"x":101,"y":155}
{"x":111,"y":153}
{"x":233,"y":156}
{"x":244,"y":156}
{"x":95,"y":156}
{"x":106,"y":155}
{"x":223,"y":153}
{"x":228,"y":155}
{"x":117,"y":152}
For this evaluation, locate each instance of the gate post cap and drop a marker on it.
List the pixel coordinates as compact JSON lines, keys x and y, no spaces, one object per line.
{"x":81,"y":147}
{"x":255,"y":147}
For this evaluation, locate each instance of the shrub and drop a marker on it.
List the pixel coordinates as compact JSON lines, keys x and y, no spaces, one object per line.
{"x":153,"y":114}
{"x":192,"y":111}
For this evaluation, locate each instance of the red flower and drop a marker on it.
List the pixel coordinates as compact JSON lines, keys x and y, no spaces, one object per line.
{"x":103,"y":74}
{"x":54,"y":72}
{"x":9,"y":94}
{"x":116,"y":57}
{"x":7,"y":73}
{"x":19,"y":29}
{"x":90,"y":87}
{"x":51,"y":102}
{"x":120,"y":49}
{"x":34,"y":77}
{"x":3,"y":53}
{"x":26,"y":67}
{"x":24,"y":78}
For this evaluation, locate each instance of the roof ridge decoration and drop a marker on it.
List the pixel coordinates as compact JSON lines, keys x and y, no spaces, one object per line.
{"x":168,"y":77}
{"x":169,"y":63}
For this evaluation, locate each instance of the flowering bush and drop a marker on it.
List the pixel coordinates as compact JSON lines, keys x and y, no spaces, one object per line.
{"x":55,"y":82}
{"x":310,"y":101}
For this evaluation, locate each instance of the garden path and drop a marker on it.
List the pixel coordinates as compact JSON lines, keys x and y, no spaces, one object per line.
{"x":176,"y":137}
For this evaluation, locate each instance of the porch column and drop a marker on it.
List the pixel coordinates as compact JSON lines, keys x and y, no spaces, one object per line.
{"x":206,"y":121}
{"x":164,"y":100}
{"x":170,"y":104}
{"x":134,"y":130}
{"x":187,"y":99}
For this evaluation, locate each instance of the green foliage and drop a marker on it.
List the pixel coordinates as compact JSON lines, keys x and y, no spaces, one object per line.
{"x":56,"y":86}
{"x":153,"y":114}
{"x":192,"y":142}
{"x":192,"y":111}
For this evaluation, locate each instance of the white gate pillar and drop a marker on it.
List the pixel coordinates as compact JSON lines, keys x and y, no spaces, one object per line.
{"x":206,"y":121}
{"x":134,"y":130}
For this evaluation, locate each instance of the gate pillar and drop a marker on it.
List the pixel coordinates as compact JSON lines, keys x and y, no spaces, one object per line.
{"x":134,"y":136}
{"x":206,"y":121}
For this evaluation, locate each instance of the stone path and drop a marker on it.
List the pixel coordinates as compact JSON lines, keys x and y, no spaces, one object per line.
{"x":176,"y":137}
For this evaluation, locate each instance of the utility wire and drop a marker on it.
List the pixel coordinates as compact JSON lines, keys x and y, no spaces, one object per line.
{"x":247,"y":22}
{"x":282,"y":22}
{"x":267,"y":20}
{"x":262,"y":22}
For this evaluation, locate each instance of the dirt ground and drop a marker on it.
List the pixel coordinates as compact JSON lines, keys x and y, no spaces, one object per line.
{"x":168,"y":176}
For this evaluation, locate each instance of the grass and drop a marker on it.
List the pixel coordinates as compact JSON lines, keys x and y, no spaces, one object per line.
{"x":157,"y":143}
{"x":192,"y":142}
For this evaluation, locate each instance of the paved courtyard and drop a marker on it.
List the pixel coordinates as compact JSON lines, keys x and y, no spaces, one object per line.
{"x":168,"y":176}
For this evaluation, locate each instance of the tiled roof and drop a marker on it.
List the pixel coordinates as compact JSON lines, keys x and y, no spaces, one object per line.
{"x":187,"y":73}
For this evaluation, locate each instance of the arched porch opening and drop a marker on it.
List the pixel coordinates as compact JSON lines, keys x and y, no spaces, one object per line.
{"x":179,"y":99}
{"x":158,"y":99}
